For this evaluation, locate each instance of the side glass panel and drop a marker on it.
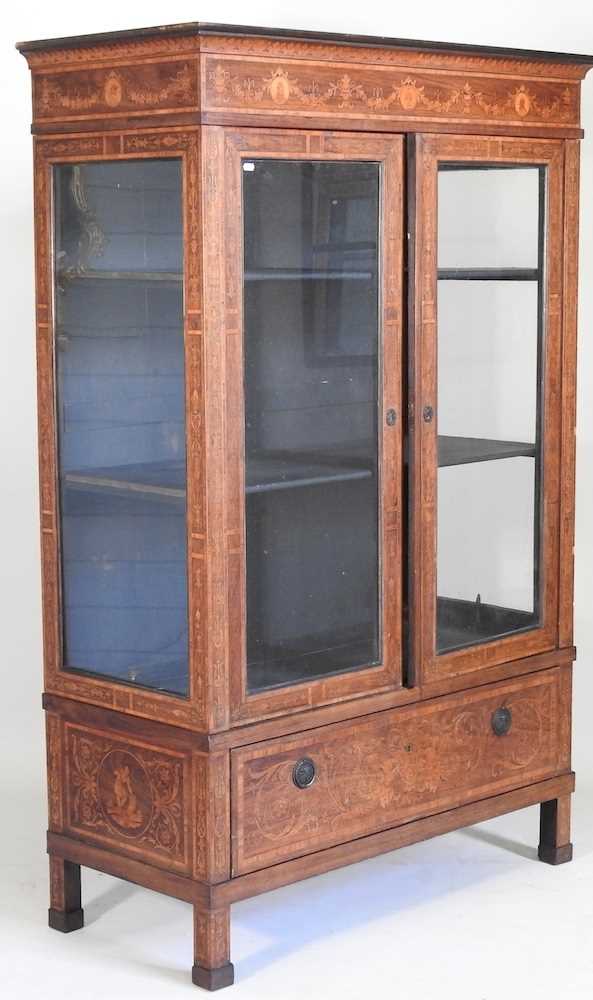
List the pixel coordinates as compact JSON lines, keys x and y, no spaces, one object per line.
{"x":121,"y":420}
{"x":311,"y":339}
{"x":490,"y":303}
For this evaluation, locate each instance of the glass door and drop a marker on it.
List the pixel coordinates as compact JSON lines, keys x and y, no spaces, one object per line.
{"x":321,"y":429}
{"x":486,"y":421}
{"x":117,"y":337}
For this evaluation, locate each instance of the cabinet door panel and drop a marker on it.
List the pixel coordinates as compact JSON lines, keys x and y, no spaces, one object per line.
{"x":485,"y":437}
{"x":117,"y":370}
{"x":312,"y":291}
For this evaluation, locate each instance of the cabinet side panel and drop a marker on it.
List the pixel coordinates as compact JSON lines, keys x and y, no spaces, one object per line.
{"x":128,"y":795}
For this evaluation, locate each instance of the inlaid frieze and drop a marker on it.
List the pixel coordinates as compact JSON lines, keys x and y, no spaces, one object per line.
{"x":299,"y":87}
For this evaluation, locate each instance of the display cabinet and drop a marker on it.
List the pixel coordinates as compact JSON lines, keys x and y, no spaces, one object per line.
{"x":306,"y":333}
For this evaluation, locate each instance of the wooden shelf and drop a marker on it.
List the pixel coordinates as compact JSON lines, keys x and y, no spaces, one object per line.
{"x":466,"y":450}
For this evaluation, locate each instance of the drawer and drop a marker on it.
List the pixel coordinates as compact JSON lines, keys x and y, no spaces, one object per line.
{"x":385,"y":769}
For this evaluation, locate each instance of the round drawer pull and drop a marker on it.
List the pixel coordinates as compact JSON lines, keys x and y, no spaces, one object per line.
{"x":303,"y":772}
{"x":502,"y":720}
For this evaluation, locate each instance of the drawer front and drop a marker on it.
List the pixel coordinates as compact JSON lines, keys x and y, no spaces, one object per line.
{"x":392,"y":767}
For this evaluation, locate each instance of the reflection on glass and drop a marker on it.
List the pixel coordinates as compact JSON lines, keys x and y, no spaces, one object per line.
{"x":121,"y":430}
{"x":311,"y":386}
{"x":488,"y":218}
{"x":490,"y":258}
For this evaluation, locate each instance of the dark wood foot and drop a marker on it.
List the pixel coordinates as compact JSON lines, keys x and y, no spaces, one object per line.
{"x":213,"y":979}
{"x":212,"y":968}
{"x":555,"y":847}
{"x":59,"y":920}
{"x":65,"y":912}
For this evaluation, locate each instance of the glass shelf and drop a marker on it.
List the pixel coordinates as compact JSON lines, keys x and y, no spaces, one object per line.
{"x":488,"y":274}
{"x":308,"y":274}
{"x":159,"y":480}
{"x":165,"y":481}
{"x":280,"y":471}
{"x":268,"y":473}
{"x":465,"y":450}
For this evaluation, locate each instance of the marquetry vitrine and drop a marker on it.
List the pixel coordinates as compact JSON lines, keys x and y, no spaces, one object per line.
{"x":306,"y":332}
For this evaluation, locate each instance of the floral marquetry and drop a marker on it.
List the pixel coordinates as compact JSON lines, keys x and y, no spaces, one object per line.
{"x":389,"y":768}
{"x":127,"y":794}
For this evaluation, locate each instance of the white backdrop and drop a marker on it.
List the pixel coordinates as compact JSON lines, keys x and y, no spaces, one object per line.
{"x":495,"y":905}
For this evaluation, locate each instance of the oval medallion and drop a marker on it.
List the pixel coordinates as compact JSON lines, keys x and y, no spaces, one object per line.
{"x":522,"y":103}
{"x":125,"y":793}
{"x":112,"y":92}
{"x":280,"y":88}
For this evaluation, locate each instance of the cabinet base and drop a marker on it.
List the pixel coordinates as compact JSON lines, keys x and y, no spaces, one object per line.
{"x":213,"y":979}
{"x":555,"y":855}
{"x":65,"y":920}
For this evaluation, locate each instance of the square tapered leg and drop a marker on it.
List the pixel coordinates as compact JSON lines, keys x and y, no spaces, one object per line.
{"x":212,"y":968}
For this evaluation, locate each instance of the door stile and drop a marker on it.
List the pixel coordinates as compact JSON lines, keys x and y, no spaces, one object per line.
{"x":569,"y":395}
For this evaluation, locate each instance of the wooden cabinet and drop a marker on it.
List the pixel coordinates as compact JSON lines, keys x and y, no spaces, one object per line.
{"x":306,"y":332}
